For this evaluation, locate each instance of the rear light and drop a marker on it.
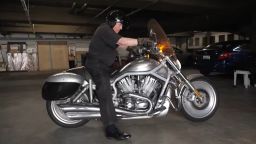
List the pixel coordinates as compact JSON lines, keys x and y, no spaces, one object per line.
{"x":225,"y":56}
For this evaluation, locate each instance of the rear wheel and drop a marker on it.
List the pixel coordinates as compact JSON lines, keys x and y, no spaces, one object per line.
{"x":60,"y":118}
{"x":200,"y":108}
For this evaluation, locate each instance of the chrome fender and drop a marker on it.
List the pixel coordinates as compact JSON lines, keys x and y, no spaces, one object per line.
{"x":65,"y":77}
{"x":193,"y":76}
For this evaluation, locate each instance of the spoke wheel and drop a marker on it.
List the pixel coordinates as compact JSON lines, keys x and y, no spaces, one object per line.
{"x":60,"y":118}
{"x":200,"y":108}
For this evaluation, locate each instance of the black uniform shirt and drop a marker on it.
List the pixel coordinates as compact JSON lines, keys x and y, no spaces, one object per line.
{"x":103,"y":44}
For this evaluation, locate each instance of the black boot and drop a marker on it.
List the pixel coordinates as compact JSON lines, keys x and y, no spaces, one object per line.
{"x":113,"y":132}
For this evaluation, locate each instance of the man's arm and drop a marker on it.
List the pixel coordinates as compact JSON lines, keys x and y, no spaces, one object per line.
{"x":125,"y":42}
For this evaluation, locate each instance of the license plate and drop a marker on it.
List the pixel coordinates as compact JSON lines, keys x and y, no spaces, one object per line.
{"x":206,"y":57}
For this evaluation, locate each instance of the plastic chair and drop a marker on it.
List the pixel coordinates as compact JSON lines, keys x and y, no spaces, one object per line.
{"x":245,"y":76}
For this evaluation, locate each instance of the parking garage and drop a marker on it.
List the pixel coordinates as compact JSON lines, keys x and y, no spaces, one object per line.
{"x":40,"y":38}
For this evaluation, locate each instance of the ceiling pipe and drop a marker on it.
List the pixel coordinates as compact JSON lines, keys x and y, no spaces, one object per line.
{"x":26,"y":9}
{"x":83,"y":7}
{"x":103,"y":11}
{"x":74,"y":4}
{"x":144,"y":7}
{"x":100,"y":13}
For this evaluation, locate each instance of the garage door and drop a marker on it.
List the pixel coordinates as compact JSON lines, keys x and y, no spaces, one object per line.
{"x":52,"y":55}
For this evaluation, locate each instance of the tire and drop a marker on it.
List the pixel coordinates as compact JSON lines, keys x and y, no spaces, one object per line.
{"x":204,"y":110}
{"x":60,"y":118}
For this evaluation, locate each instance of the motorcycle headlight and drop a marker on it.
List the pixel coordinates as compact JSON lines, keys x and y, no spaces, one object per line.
{"x":177,"y":63}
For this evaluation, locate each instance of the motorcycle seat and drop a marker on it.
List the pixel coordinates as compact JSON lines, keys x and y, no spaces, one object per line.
{"x":82,"y":72}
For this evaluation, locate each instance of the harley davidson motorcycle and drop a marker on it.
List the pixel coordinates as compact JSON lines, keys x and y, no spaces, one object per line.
{"x":147,"y":87}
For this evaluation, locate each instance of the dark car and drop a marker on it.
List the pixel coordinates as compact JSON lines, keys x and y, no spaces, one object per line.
{"x":224,"y":57}
{"x":185,"y":58}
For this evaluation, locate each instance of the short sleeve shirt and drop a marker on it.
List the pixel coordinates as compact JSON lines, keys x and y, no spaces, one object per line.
{"x":104,"y":43}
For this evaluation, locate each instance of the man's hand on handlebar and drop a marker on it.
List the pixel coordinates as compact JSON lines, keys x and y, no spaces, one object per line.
{"x":145,"y":42}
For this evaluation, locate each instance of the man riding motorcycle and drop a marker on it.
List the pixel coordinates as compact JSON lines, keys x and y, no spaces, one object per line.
{"x":101,"y":55}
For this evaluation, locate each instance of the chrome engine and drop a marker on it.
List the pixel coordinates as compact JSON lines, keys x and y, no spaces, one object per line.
{"x":145,"y":87}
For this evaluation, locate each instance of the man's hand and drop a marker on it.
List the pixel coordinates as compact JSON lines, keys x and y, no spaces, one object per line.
{"x":146,"y":42}
{"x":124,"y":42}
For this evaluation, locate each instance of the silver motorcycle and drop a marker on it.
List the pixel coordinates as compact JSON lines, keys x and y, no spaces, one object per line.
{"x":147,"y":87}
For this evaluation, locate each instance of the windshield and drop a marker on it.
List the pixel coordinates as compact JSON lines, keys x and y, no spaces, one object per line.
{"x":159,"y":36}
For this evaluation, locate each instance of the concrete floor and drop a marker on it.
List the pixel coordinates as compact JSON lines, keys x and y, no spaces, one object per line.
{"x":24,"y":119}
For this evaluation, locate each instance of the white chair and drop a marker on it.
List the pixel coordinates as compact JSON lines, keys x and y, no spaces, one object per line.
{"x":245,"y":76}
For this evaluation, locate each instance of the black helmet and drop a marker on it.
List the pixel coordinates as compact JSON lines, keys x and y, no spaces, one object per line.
{"x":115,"y":16}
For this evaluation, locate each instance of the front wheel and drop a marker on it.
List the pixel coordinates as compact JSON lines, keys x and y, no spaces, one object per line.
{"x":200,"y":108}
{"x":60,"y":118}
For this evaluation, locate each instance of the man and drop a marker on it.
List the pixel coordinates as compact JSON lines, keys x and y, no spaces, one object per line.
{"x":101,"y":55}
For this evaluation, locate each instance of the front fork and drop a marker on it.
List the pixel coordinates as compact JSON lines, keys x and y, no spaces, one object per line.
{"x":178,"y":72}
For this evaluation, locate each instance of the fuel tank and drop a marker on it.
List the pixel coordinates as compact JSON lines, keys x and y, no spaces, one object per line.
{"x":140,"y":65}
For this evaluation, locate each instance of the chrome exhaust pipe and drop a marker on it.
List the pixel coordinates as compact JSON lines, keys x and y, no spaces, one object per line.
{"x":81,"y":112}
{"x":83,"y":115}
{"x":136,"y":117}
{"x":95,"y":115}
{"x":68,"y":108}
{"x":93,"y":112}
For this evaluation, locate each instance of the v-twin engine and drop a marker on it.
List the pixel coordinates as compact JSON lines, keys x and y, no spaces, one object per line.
{"x":146,"y":89}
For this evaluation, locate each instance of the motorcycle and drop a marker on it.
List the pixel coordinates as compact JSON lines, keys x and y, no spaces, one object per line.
{"x":147,"y":87}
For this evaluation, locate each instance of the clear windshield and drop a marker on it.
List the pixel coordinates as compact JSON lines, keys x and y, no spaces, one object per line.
{"x":159,"y":36}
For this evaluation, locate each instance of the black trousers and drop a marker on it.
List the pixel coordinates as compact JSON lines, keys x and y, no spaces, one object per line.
{"x":101,"y":76}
